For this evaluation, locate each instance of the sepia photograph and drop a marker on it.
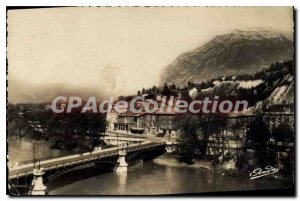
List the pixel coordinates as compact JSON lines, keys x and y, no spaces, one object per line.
{"x":150,"y":101}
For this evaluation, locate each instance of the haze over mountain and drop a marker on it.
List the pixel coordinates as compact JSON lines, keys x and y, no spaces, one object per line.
{"x":20,"y":91}
{"x":240,"y":52}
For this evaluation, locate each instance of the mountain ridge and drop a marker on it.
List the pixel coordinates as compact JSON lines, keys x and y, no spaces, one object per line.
{"x":238,"y":52}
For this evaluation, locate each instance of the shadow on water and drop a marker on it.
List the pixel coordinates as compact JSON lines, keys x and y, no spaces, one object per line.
{"x":94,"y":169}
{"x":79,"y":173}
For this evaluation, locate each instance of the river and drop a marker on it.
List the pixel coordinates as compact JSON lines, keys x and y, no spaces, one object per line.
{"x":23,"y":150}
{"x":156,"y":176}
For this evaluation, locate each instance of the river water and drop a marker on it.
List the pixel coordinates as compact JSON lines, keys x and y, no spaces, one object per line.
{"x":157,"y":176}
{"x":23,"y":150}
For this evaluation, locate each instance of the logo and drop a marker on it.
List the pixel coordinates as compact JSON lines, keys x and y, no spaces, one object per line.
{"x":259,"y":172}
{"x":140,"y":104}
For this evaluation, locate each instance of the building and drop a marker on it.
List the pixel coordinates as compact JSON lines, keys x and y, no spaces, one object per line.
{"x":160,"y":123}
{"x":232,"y":138}
{"x":231,"y":141}
{"x":126,"y":121}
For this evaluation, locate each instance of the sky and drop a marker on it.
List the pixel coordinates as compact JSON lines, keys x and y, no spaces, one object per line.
{"x":114,"y":51}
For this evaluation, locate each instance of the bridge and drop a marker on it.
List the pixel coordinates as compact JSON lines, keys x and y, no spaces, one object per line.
{"x":26,"y":168}
{"x":128,"y":146}
{"x":117,"y":141}
{"x":36,"y":170}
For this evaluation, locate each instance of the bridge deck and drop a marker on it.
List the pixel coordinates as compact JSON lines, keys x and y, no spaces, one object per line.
{"x":27,"y":169}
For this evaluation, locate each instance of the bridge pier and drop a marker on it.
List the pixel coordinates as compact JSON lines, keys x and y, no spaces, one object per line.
{"x":121,"y":162}
{"x":38,"y":186}
{"x":170,"y":147}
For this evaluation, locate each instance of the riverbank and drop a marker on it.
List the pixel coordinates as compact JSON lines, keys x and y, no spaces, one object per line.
{"x":225,"y":168}
{"x":172,"y":160}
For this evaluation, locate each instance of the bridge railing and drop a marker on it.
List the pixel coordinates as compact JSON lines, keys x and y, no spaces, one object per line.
{"x":48,"y":158}
{"x":69,"y":154}
{"x":69,"y":160}
{"x":45,"y":158}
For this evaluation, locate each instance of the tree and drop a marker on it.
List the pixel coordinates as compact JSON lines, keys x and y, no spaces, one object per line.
{"x":288,"y":163}
{"x":190,"y":84}
{"x":153,"y":90}
{"x":189,"y":139}
{"x":173,"y":87}
{"x":166,"y":91}
{"x":212,"y":124}
{"x":283,"y":133}
{"x":259,"y":135}
{"x":76,"y":129}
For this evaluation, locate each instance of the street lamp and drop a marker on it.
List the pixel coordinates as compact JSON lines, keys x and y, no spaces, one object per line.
{"x":33,"y":155}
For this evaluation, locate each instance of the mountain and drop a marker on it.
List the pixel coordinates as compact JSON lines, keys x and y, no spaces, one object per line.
{"x":271,"y":86}
{"x":240,"y":52}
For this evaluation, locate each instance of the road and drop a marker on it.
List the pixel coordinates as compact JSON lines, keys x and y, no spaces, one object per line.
{"x":148,"y":137}
{"x":27,"y":169}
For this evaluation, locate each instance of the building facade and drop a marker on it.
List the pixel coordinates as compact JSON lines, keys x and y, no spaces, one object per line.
{"x":232,"y":139}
